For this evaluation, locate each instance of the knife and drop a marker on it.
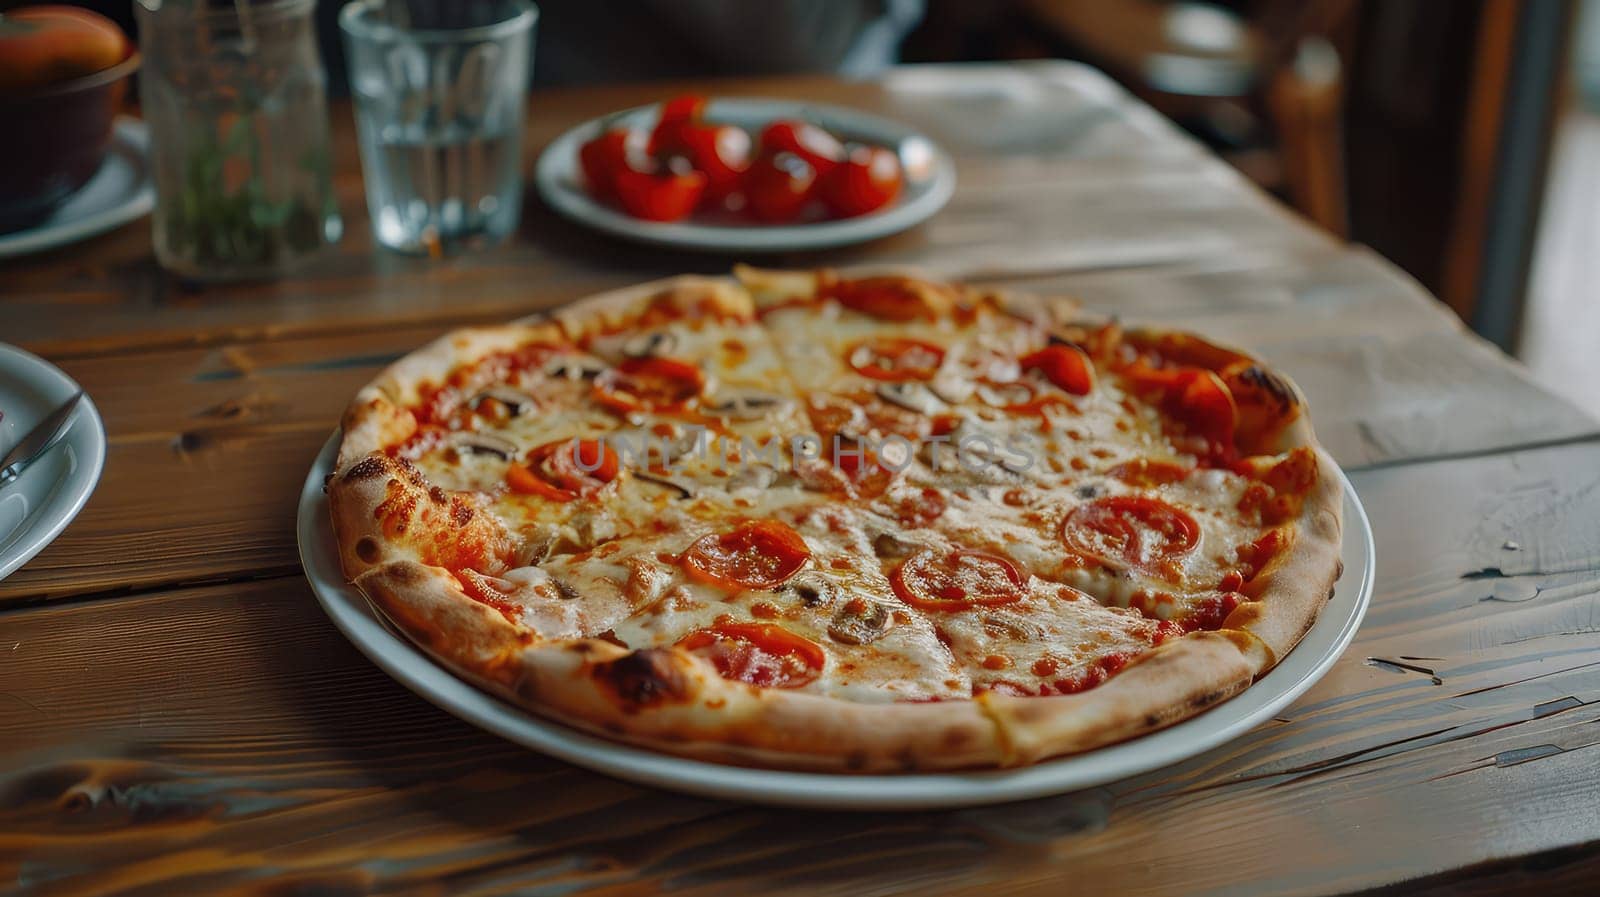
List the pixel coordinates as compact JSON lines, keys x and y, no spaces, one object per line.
{"x":38,"y":441}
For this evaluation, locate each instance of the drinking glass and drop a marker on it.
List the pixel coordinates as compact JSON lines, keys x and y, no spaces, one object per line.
{"x":440,"y":89}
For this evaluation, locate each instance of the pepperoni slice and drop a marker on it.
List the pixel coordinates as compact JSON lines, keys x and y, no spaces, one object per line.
{"x":896,"y":359}
{"x":758,"y":555}
{"x":1023,"y":398}
{"x":1210,"y":612}
{"x":1207,"y":406}
{"x":1130,"y":529}
{"x":492,"y":591}
{"x":565,"y":469}
{"x":957,"y":580}
{"x":1148,"y":472}
{"x":1195,"y":396}
{"x":761,"y":654}
{"x":649,"y":384}
{"x":888,"y":298}
{"x":1065,"y":366}
{"x":865,"y":475}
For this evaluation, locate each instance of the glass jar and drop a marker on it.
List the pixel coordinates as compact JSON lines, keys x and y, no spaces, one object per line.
{"x":233,"y":93}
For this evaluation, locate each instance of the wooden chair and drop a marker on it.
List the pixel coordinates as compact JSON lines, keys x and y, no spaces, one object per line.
{"x":1265,"y":86}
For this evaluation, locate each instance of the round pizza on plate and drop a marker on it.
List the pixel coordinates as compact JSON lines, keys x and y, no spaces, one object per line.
{"x":810,"y":521}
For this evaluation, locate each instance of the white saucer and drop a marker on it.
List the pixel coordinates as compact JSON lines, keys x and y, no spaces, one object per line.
{"x":40,"y":504}
{"x":119,"y":192}
{"x":560,"y":182}
{"x":1288,"y":680}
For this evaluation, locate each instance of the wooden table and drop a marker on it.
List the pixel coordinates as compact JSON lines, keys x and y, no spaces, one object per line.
{"x":178,"y":716}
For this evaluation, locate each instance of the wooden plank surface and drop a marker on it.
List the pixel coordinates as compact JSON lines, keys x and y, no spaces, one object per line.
{"x":176,"y":714}
{"x":228,"y":739}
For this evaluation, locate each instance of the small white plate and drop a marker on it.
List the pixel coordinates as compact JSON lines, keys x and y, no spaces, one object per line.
{"x":41,"y":502}
{"x":119,"y":192}
{"x":1288,"y":680}
{"x":560,"y":182}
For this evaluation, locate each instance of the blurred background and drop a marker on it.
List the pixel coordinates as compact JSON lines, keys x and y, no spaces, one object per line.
{"x":1459,"y":138}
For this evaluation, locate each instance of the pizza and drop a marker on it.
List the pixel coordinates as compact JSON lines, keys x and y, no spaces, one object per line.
{"x":805,"y":520}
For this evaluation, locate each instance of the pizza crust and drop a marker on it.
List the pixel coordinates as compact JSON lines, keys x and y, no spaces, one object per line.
{"x":1168,"y":685}
{"x":670,"y":700}
{"x":1296,"y":584}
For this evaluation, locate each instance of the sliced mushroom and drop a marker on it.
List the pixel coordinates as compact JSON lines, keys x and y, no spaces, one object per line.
{"x":1004,"y":395}
{"x":910,"y":396}
{"x":693,"y":441}
{"x":563,"y":541}
{"x":593,"y":527}
{"x":972,"y":457}
{"x":565,"y":367}
{"x":650,"y":345}
{"x":953,"y":390}
{"x":813,"y":589}
{"x":752,"y":476}
{"x":515,"y":400}
{"x":682,"y":486}
{"x":860,"y":621}
{"x":999,"y":622}
{"x":890,"y":546}
{"x":536,"y":550}
{"x":743,"y":405}
{"x":484,"y":444}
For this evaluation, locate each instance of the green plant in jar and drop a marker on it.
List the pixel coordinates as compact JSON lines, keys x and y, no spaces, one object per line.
{"x":239,"y":136}
{"x":225,"y":212}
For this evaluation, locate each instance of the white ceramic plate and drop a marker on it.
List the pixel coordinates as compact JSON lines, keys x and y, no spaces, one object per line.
{"x":41,"y":502}
{"x":1288,"y":680}
{"x":560,"y":182}
{"x":119,"y":192}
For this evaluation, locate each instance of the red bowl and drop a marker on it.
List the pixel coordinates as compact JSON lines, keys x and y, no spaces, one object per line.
{"x":56,"y":139}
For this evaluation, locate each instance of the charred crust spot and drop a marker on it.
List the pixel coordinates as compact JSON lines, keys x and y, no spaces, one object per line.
{"x":370,"y":467}
{"x":590,"y":646}
{"x":1209,"y":698}
{"x":411,"y":474}
{"x":956,"y":737}
{"x":1270,"y":383}
{"x":460,"y":512}
{"x":855,"y":760}
{"x":367,"y":550}
{"x":437,"y":495}
{"x":645,"y":678}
